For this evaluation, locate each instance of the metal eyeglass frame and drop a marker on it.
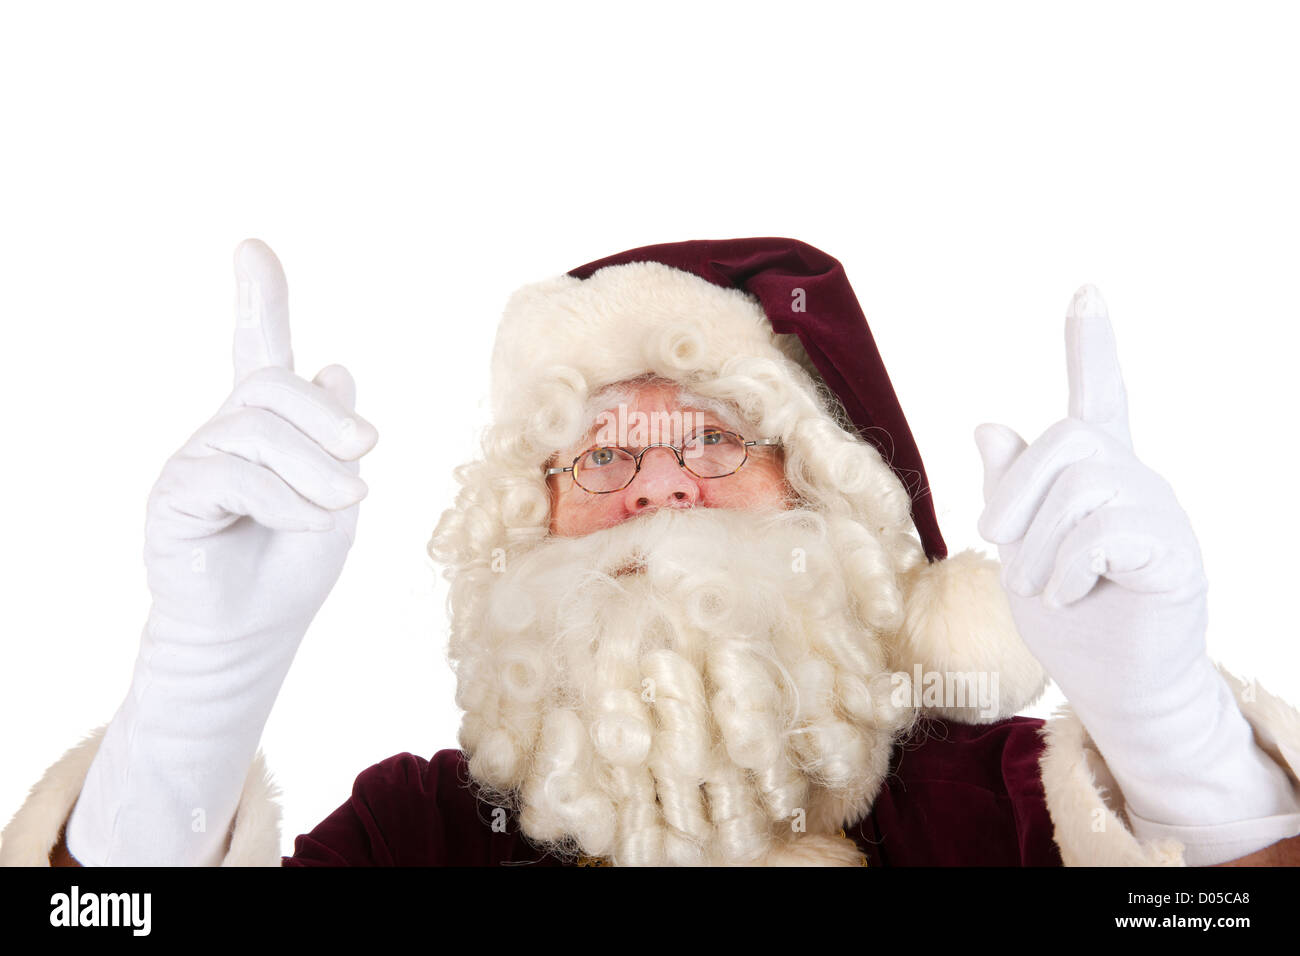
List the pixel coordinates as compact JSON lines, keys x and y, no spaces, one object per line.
{"x":677,"y":452}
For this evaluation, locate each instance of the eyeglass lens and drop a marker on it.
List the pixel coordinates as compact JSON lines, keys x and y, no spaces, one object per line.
{"x":709,"y":454}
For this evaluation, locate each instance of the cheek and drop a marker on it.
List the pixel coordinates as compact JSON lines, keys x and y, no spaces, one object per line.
{"x":574,"y":512}
{"x":763,"y":487}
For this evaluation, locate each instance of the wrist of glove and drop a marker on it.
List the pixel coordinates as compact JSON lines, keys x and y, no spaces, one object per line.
{"x":1188,"y":768}
{"x":165,"y":783}
{"x":1196,"y":775}
{"x":1105,"y":583}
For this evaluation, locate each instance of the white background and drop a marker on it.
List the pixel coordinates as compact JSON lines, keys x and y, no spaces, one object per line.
{"x":970,"y":164}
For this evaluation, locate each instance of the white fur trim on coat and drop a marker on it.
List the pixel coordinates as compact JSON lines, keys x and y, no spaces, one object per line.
{"x":34,"y":830}
{"x":1086,"y":806}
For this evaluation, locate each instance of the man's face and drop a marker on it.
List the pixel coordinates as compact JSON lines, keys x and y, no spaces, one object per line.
{"x":647,"y":414}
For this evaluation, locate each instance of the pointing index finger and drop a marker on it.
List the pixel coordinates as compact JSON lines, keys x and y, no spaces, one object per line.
{"x":261,"y":310}
{"x":1097,"y":393}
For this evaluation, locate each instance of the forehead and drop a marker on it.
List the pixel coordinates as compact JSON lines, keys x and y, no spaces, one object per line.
{"x":661,"y":407}
{"x":648,"y":396}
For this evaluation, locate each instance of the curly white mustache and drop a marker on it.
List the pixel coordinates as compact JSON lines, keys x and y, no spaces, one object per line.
{"x":704,"y":687}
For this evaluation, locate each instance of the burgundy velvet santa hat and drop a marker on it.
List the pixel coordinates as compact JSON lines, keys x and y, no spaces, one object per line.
{"x":772,"y":317}
{"x":804,"y":291}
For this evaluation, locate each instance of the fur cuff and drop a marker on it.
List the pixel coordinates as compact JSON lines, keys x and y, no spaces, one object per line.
{"x":34,"y":830}
{"x":1091,"y":828}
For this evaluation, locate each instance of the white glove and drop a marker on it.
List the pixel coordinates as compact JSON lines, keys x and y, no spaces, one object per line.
{"x":1106,"y":586}
{"x":247,"y":530}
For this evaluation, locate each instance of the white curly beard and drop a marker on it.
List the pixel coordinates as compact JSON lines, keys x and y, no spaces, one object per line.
{"x":693,"y":687}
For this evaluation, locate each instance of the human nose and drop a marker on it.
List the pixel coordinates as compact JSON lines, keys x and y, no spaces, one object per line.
{"x":661,"y":483}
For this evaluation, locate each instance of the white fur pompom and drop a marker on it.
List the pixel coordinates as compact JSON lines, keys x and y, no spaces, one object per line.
{"x":957,"y":627}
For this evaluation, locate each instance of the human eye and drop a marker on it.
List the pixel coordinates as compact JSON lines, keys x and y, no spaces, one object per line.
{"x":709,"y":436}
{"x":713,"y":452}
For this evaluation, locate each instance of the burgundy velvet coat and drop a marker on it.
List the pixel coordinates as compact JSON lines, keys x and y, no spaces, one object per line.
{"x":956,"y":795}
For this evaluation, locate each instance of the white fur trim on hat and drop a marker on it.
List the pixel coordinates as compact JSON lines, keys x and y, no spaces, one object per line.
{"x":623,"y":322}
{"x":34,"y":830}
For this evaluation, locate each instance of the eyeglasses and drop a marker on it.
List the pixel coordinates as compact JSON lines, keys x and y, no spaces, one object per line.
{"x":713,"y":453}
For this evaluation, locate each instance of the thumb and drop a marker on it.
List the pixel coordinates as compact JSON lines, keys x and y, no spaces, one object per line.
{"x":999,"y":446}
{"x":338,"y":381}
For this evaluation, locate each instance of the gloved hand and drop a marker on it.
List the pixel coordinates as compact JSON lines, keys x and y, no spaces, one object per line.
{"x":247,"y":529}
{"x":1106,"y":586}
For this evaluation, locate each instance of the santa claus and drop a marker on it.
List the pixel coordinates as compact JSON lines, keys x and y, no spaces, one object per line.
{"x":701,"y":611}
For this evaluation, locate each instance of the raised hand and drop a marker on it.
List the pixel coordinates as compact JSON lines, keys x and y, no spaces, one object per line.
{"x":1105,"y":581}
{"x":246,"y":532}
{"x":264,"y":497}
{"x":1078,"y":507}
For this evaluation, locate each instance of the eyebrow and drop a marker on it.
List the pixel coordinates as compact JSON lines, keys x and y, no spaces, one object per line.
{"x":609,"y":398}
{"x":721,"y":422}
